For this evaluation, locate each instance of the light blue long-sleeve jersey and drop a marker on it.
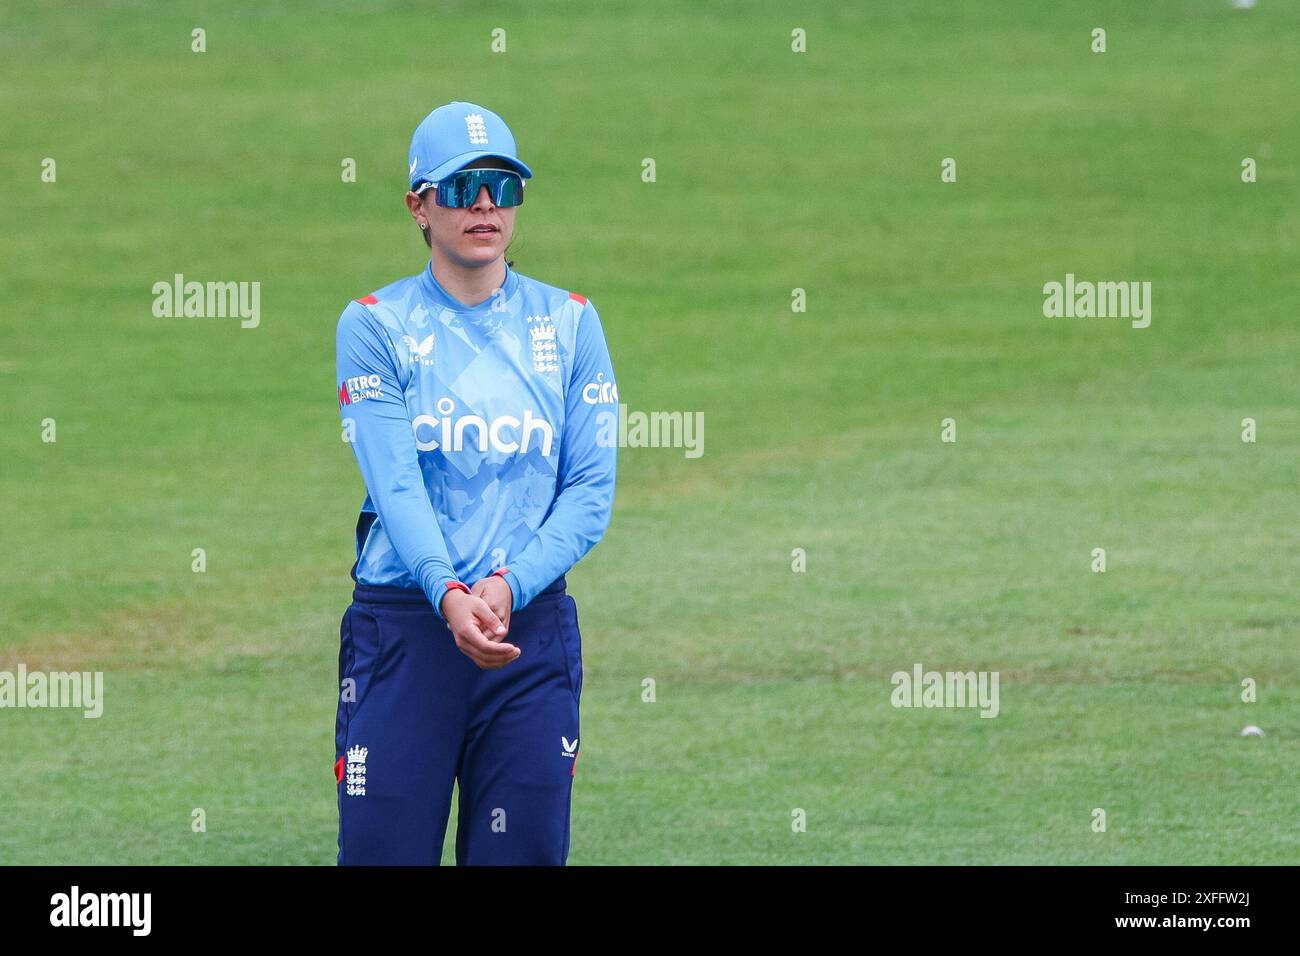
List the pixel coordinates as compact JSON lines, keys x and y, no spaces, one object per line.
{"x":486,"y":434}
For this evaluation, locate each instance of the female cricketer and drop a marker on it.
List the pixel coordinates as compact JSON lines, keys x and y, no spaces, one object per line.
{"x":478,"y":403}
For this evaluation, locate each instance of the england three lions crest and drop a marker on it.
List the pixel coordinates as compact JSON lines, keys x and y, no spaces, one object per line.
{"x":541,"y":336}
{"x":355,"y":771}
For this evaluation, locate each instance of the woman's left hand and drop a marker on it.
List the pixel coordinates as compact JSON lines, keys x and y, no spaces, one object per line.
{"x":496,"y":592}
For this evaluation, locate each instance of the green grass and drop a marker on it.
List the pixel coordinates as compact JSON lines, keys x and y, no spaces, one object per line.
{"x":774,"y":171}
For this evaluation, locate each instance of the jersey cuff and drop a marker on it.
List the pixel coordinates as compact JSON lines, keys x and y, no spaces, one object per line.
{"x":516,"y":589}
{"x":440,"y":592}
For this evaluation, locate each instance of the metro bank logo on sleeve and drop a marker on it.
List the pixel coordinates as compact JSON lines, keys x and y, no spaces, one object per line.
{"x":358,"y":388}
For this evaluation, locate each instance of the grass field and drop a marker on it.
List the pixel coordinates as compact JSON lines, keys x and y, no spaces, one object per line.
{"x":775,"y":171}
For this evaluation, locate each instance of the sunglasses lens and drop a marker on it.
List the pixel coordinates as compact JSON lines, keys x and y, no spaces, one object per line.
{"x":510,"y":191}
{"x":461,"y":189}
{"x":455,"y":191}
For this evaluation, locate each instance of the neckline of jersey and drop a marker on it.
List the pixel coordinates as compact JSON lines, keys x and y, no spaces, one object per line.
{"x":446,"y":300}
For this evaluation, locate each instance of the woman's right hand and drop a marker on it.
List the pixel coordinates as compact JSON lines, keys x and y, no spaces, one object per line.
{"x":477,"y":629}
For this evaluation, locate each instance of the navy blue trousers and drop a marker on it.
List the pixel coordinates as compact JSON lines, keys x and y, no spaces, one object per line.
{"x":416,"y":714}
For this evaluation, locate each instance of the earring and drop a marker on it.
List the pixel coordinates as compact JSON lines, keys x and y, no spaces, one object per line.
{"x":424,"y":225}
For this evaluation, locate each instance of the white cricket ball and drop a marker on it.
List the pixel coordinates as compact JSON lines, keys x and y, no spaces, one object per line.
{"x":1252,"y":731}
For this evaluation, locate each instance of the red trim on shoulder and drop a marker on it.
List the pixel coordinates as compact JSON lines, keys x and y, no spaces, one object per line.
{"x":368,"y":300}
{"x":338,"y":770}
{"x":578,"y":298}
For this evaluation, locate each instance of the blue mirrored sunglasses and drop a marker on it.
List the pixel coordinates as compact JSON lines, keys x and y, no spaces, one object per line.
{"x":460,"y":189}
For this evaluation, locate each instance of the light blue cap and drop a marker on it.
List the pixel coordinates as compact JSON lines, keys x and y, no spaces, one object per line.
{"x":455,"y":135}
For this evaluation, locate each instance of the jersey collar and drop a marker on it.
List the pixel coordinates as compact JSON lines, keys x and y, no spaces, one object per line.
{"x":445,"y":300}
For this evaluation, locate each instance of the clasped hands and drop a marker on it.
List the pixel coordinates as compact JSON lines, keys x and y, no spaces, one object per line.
{"x":480,"y":621}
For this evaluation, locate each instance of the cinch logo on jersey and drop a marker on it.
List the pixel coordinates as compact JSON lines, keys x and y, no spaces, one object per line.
{"x":506,"y":433}
{"x":359,"y":388}
{"x":600,"y":392}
